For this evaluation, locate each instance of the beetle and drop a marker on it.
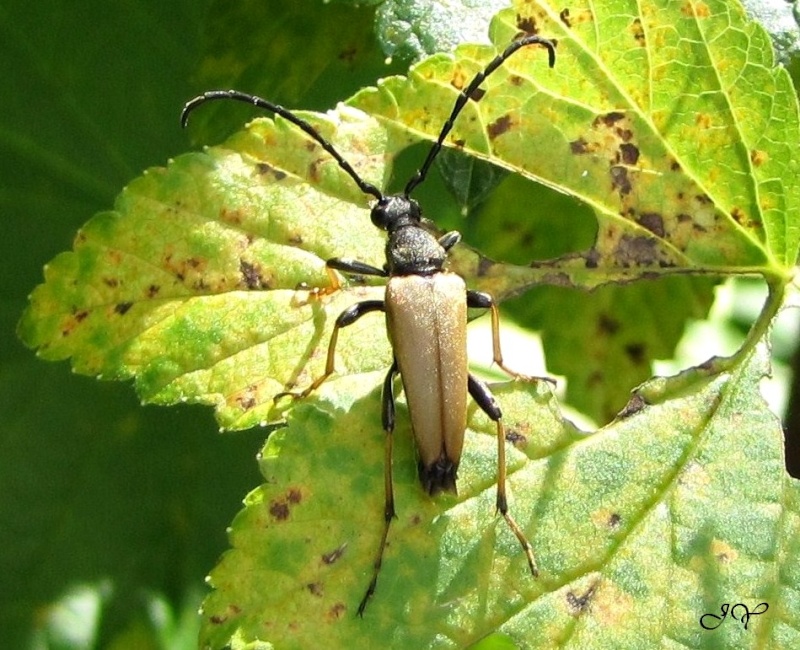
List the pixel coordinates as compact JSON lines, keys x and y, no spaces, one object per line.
{"x":426,"y":316}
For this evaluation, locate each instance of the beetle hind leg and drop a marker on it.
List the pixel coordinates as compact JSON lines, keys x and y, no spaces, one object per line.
{"x":387,"y":416}
{"x":485,"y":400}
{"x":481,"y":300}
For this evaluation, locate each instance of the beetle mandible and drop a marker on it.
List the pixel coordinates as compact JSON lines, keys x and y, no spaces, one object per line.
{"x":426,"y":317}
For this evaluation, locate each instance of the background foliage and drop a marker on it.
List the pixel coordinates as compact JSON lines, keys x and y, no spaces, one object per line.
{"x":113,"y":511}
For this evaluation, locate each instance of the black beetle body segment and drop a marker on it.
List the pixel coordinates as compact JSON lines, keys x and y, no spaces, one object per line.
{"x":426,"y":317}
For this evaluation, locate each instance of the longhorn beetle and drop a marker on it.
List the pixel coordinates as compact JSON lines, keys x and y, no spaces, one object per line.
{"x":426,"y":317}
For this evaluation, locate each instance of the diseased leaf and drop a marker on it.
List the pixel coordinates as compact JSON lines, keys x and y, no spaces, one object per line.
{"x":678,"y":507}
{"x":668,"y":119}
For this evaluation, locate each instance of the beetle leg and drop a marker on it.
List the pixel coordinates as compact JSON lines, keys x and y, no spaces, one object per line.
{"x":449,"y":239}
{"x":481,"y":300}
{"x":485,"y":400}
{"x":347,"y":317}
{"x":387,"y":417}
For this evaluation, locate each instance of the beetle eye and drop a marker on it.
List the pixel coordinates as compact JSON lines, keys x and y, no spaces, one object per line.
{"x":380,"y":213}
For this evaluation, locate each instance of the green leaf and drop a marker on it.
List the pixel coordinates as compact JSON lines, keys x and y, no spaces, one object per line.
{"x":639,"y":529}
{"x":653,"y":120}
{"x":417,"y":28}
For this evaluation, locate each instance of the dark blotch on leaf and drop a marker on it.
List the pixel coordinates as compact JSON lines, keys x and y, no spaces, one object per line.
{"x":498,"y":127}
{"x":636,"y":352}
{"x":620,"y":180}
{"x":636,"y":251}
{"x":251,"y":275}
{"x":80,"y":315}
{"x":336,"y":611}
{"x":315,"y":588}
{"x":638,"y":32}
{"x":279,"y":510}
{"x":516,"y":438}
{"x":614,"y":520}
{"x":579,"y":604}
{"x":609,"y":119}
{"x":564,"y":16}
{"x":579,"y":146}
{"x":629,"y":153}
{"x":653,"y":222}
{"x":608,"y":325}
{"x":527,"y":24}
{"x":152,"y":290}
{"x":123,"y":307}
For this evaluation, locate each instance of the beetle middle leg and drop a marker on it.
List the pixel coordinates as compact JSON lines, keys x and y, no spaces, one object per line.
{"x":387,"y":418}
{"x":481,"y":300}
{"x":347,"y":317}
{"x":485,"y":400}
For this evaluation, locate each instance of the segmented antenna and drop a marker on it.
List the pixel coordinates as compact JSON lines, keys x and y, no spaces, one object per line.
{"x":365,"y":187}
{"x":211,"y":95}
{"x":465,"y":95}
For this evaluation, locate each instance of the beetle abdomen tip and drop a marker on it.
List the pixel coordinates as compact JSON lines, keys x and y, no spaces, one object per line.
{"x":439,"y":476}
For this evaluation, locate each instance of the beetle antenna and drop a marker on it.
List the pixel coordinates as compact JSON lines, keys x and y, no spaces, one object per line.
{"x":467,"y":93}
{"x":211,"y":95}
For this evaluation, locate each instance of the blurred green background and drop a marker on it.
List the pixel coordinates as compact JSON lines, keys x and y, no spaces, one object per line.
{"x":111,"y":513}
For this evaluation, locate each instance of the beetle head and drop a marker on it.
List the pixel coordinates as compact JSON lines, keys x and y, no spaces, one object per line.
{"x":396,"y":211}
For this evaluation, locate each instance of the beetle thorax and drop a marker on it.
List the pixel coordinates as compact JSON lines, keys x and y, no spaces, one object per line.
{"x":412,"y":250}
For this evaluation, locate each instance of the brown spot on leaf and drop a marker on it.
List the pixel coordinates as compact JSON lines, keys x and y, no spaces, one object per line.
{"x":609,"y":119}
{"x":80,"y":315}
{"x":516,"y":438}
{"x":629,"y":153}
{"x":527,"y":24}
{"x":638,"y":31}
{"x":336,"y":611}
{"x":111,"y":282}
{"x":123,"y":307}
{"x":580,"y":146}
{"x":636,"y":251}
{"x":579,"y":604}
{"x":515,"y":80}
{"x":564,"y":16}
{"x":614,"y":520}
{"x":152,"y":290}
{"x":636,"y":352}
{"x":620,"y":181}
{"x":703,"y":120}
{"x":251,"y":275}
{"x":499,"y":126}
{"x":315,"y":588}
{"x":279,"y":509}
{"x":758,"y":158}
{"x":653,"y":222}
{"x":608,"y":325}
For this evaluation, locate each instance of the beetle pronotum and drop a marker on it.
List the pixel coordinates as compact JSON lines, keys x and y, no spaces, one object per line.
{"x":426,"y":318}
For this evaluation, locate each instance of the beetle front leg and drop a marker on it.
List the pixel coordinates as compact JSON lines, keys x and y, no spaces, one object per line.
{"x":481,"y":300}
{"x":387,"y":417}
{"x":347,"y":317}
{"x":485,"y":400}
